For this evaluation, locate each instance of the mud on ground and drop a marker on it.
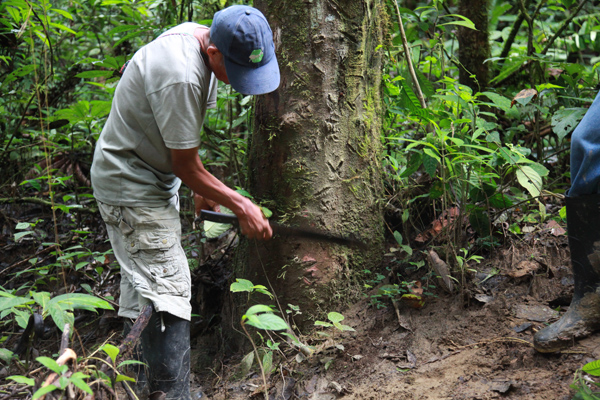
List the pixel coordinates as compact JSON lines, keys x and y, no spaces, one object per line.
{"x":470,"y":345}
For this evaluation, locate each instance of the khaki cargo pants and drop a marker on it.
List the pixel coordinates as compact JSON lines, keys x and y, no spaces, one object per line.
{"x":147,"y":244}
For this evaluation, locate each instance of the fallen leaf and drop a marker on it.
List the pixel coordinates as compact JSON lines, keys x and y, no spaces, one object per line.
{"x":483,"y":298}
{"x":441,"y":269}
{"x":413,"y":300}
{"x":555,"y":228}
{"x":528,"y":229}
{"x":554,"y":72}
{"x":524,"y":97}
{"x":446,"y":218}
{"x":526,"y":267}
{"x":537,"y":313}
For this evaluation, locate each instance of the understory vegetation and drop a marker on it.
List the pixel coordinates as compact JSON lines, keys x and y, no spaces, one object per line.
{"x":468,"y":167}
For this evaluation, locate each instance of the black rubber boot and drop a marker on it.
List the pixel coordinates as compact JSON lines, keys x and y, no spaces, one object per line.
{"x":166,"y":349}
{"x":583,"y":316}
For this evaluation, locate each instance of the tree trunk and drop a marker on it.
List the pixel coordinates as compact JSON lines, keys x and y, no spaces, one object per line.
{"x":315,"y":153}
{"x":474,"y":46}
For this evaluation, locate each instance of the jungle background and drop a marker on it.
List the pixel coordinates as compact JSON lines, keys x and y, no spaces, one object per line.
{"x":467,"y":153}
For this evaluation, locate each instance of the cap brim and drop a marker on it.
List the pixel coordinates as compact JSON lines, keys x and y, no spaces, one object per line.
{"x":253,"y":80}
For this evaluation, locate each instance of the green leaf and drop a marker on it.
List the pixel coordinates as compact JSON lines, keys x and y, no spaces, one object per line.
{"x":120,"y":378}
{"x":122,"y":28}
{"x":51,"y":364}
{"x":215,"y":229}
{"x":431,"y":154}
{"x":530,"y":180}
{"x":565,"y":120}
{"x":430,"y":165}
{"x":19,"y":235}
{"x":392,"y":89}
{"x":241,"y":285}
{"x":100,"y":108}
{"x":21,"y":317}
{"x":21,"y":379}
{"x":42,"y":391}
{"x":510,"y":66}
{"x":243,"y":192}
{"x":246,"y":363}
{"x":22,"y":225}
{"x":343,"y":328}
{"x":268,"y":213}
{"x":335,"y":317}
{"x":398,"y":237}
{"x":262,"y":289}
{"x":42,"y":299}
{"x":130,"y":362}
{"x":270,"y":322}
{"x":466,"y":22}
{"x":111,"y":350}
{"x":10,"y":302}
{"x":563,"y":213}
{"x":499,"y":200}
{"x":321,"y":323}
{"x":63,"y":13}
{"x":77,"y":380}
{"x":74,"y":301}
{"x":414,"y":103}
{"x":60,"y":316}
{"x":500,"y":101}
{"x":539,"y":168}
{"x":545,"y":86}
{"x":267,"y":362}
{"x":415,"y":161}
{"x":128,"y":36}
{"x":480,"y":221}
{"x":94,"y":74}
{"x":63,"y":28}
{"x":259,"y":308}
{"x":426,"y":85}
{"x":592,"y":368}
{"x":6,"y":355}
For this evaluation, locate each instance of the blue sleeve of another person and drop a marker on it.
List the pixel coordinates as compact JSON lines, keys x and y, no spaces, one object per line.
{"x":585,"y":153}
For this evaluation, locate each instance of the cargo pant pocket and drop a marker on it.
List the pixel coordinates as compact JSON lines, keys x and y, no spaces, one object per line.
{"x":161,"y":262}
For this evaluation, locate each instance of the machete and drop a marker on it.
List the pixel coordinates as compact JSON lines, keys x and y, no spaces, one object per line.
{"x":286,"y":230}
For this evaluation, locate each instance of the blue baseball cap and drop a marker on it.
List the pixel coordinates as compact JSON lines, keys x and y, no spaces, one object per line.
{"x":244,"y":37}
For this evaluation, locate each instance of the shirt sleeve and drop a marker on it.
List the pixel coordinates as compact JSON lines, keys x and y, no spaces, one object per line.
{"x":212,"y":92}
{"x":179,"y":111}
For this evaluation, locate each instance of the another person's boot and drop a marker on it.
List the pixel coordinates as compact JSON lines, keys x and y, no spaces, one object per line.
{"x":166,"y":350}
{"x":583,"y":316}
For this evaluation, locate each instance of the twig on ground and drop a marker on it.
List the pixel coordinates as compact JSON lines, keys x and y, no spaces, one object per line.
{"x":64,"y":341}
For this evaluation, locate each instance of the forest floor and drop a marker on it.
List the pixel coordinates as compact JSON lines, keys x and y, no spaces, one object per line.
{"x":474,"y":343}
{"x":470,"y":345}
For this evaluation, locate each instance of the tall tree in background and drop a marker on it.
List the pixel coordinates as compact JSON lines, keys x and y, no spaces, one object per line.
{"x":474,"y":45}
{"x":316,"y":147}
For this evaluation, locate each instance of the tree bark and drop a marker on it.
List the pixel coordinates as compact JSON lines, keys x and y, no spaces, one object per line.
{"x":316,"y":149}
{"x":474,"y":46}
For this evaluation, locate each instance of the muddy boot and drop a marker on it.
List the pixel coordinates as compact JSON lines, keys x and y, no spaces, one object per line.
{"x":166,"y":349}
{"x":583,"y":315}
{"x":140,"y":387}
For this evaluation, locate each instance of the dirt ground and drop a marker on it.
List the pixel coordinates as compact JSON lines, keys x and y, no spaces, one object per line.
{"x":470,"y":345}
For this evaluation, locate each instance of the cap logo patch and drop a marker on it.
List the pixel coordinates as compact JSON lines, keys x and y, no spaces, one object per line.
{"x":257,"y":55}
